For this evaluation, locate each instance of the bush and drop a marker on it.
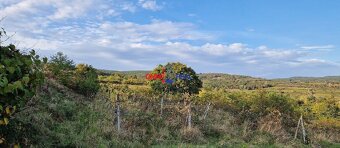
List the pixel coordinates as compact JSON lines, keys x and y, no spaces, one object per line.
{"x":86,"y":80}
{"x":82,"y":78}
{"x":20,"y":75}
{"x":191,"y":135}
{"x":61,"y":68}
{"x":253,"y":106}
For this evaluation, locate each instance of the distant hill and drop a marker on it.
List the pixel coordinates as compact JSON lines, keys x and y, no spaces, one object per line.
{"x":227,"y":81}
{"x":138,"y":73}
{"x":106,"y":72}
{"x":313,"y":79}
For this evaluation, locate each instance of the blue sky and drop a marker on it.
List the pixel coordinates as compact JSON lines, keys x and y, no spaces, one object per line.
{"x":262,"y":38}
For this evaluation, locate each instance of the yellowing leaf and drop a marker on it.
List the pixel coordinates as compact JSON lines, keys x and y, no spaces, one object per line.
{"x":16,"y":146}
{"x":8,"y":111}
{"x":6,"y":121}
{"x":2,"y":122}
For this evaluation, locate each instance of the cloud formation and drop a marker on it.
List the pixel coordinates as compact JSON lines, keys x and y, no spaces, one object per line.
{"x":318,"y":47}
{"x":101,"y":37}
{"x":150,"y":5}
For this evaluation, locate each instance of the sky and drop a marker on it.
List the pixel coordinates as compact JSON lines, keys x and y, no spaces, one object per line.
{"x":263,"y":38}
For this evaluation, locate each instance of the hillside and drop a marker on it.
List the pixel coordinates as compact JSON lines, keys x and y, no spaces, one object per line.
{"x":227,"y":81}
{"x":210,"y":80}
{"x":313,"y":79}
{"x":138,"y":73}
{"x":61,"y":118}
{"x":65,"y":119}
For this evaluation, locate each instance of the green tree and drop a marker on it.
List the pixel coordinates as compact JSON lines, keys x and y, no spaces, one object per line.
{"x":60,"y":67}
{"x":82,"y":78}
{"x":191,"y":86}
{"x":60,"y":62}
{"x":186,"y":87}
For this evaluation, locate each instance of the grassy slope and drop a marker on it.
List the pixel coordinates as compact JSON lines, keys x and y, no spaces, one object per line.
{"x":63,"y":118}
{"x":58,"y":117}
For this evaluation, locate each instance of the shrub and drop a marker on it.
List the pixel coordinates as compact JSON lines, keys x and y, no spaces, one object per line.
{"x":191,"y":135}
{"x":61,"y":68}
{"x":20,"y":75}
{"x":253,"y":106}
{"x":82,"y":78}
{"x":86,"y":80}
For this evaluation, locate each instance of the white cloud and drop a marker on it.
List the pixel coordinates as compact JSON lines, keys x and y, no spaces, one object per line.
{"x":86,"y":34}
{"x":150,"y":5}
{"x":221,"y":49}
{"x":156,"y":31}
{"x":278,"y":54}
{"x":318,"y":47}
{"x":313,"y":62}
{"x":129,"y":7}
{"x":70,"y":9}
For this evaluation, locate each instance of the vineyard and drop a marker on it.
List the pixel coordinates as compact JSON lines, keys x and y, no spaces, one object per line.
{"x":56,"y":103}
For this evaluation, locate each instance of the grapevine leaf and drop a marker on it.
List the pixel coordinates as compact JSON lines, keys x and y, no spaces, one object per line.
{"x":3,"y":81}
{"x":8,"y":111}
{"x":25,"y":79}
{"x":10,"y":70}
{"x":6,"y":121}
{"x":18,"y":85}
{"x":9,"y":88}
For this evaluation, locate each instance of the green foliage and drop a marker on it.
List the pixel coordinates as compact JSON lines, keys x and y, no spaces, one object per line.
{"x":114,"y":79}
{"x":86,"y":80}
{"x":234,"y":82}
{"x":119,"y":78}
{"x":82,"y":78}
{"x":266,"y":102}
{"x":179,"y":85}
{"x":329,"y":145}
{"x":60,"y":63}
{"x":20,"y":75}
{"x":62,"y":118}
{"x":133,"y":80}
{"x":61,"y":68}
